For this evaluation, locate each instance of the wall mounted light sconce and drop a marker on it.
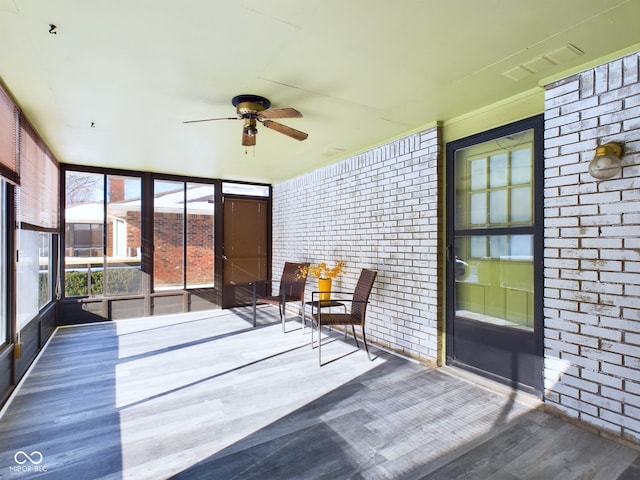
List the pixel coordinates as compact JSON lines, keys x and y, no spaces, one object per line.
{"x":607,"y":161}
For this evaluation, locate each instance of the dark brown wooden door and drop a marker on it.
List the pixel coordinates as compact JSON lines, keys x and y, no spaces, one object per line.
{"x":245,"y":249}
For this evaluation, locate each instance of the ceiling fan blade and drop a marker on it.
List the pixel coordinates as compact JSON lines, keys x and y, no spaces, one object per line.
{"x":290,"y":132}
{"x":248,"y":140}
{"x":211,"y":119}
{"x":280,"y":113}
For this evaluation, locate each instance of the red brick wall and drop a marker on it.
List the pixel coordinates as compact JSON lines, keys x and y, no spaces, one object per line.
{"x":116,"y":189}
{"x":168,"y":251}
{"x":199,"y":249}
{"x":134,"y":237}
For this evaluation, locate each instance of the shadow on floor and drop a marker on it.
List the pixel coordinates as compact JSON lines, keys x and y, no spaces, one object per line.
{"x":403,"y":421}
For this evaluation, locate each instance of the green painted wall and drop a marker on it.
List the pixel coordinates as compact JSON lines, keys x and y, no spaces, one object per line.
{"x":507,"y":111}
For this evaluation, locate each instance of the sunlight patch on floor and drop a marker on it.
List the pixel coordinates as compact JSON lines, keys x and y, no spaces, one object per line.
{"x":218,"y":379}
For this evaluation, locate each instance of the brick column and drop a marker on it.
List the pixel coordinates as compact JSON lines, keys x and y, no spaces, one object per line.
{"x":592,"y":250}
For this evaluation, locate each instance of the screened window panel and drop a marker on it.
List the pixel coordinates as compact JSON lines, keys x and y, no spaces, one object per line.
{"x":28,"y":276}
{"x":229,"y":188}
{"x":45,"y":273}
{"x":82,"y":238}
{"x":84,"y":242}
{"x":124,"y":212}
{"x":168,"y":234}
{"x":200,"y":241}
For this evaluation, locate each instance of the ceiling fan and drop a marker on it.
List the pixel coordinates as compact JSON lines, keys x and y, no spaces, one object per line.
{"x":253,"y":109}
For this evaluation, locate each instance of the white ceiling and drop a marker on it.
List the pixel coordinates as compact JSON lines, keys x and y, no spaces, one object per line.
{"x":360,"y":71}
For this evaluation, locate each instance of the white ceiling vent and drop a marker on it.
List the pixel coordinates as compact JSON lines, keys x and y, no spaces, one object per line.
{"x":540,"y":64}
{"x":543,"y":62}
{"x":565,"y":54}
{"x":518,"y":73}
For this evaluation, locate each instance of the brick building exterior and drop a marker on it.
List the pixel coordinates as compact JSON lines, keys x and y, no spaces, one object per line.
{"x":171,"y":256}
{"x":169,"y":249}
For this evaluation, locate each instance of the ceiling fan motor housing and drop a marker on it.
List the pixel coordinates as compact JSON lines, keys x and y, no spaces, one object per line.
{"x":248,"y":106}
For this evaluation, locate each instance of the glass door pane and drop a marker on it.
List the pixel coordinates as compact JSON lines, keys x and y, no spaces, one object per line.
{"x":497,"y":192}
{"x":494,"y":282}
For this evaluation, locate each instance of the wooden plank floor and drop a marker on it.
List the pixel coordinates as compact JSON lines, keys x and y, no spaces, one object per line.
{"x":206,"y":396}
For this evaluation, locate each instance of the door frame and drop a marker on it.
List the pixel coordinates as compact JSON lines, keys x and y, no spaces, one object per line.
{"x":537,"y":124}
{"x":227,"y":293}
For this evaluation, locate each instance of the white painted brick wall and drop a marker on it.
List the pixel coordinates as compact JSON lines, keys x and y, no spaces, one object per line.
{"x":377,"y":210}
{"x":382,"y":210}
{"x":592,"y":250}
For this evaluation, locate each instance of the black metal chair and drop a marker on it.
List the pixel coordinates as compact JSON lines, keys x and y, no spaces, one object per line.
{"x":292,"y":286}
{"x":357,"y":316}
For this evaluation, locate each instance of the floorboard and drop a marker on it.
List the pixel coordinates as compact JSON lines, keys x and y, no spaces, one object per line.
{"x":207,"y":396}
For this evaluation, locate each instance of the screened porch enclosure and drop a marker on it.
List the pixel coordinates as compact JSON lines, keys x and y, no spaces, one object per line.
{"x":142,"y":244}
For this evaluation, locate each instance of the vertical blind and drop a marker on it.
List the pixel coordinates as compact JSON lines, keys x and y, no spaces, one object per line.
{"x":9,"y":167}
{"x":38,"y":192}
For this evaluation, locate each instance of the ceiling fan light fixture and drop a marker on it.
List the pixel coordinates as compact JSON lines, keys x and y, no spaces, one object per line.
{"x":250,"y":127}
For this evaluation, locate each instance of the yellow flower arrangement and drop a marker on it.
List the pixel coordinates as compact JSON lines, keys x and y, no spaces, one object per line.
{"x":322,"y":270}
